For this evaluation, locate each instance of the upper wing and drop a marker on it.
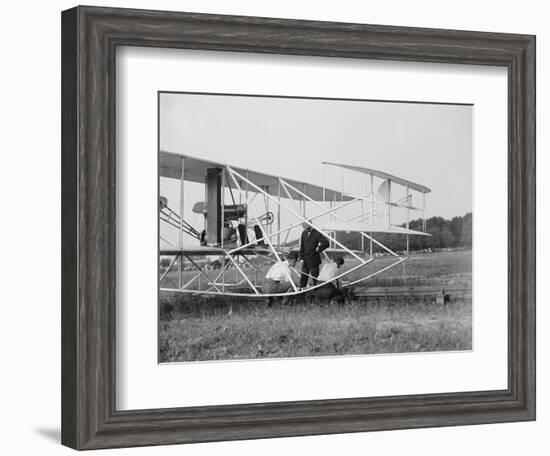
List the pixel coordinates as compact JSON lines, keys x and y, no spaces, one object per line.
{"x":170,"y":165}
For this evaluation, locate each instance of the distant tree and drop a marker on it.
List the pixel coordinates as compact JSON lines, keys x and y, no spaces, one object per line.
{"x":443,"y":238}
{"x":456,"y":229}
{"x":453,"y":233}
{"x":433,"y":240}
{"x":466,"y":233}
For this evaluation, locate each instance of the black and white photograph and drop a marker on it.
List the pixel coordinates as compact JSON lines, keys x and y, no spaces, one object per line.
{"x":275,"y":228}
{"x":293,"y":227}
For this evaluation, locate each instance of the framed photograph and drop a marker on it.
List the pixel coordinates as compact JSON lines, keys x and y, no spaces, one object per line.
{"x":280,"y":228}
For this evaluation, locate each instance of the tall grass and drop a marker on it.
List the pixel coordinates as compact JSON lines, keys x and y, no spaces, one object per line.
{"x":312,"y":330}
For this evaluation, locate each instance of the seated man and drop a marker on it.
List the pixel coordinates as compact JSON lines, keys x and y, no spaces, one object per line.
{"x":229,"y":234}
{"x":277,"y":279}
{"x":331,"y":289}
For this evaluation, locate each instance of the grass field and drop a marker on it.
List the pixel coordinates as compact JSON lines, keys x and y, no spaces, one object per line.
{"x":194,"y":329}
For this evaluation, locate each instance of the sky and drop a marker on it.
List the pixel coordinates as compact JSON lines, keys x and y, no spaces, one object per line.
{"x":430,"y":144}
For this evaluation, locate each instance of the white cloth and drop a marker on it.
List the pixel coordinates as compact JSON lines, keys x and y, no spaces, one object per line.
{"x":277,"y":272}
{"x":328,"y":272}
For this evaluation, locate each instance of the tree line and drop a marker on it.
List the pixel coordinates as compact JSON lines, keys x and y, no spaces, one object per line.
{"x":453,"y":233}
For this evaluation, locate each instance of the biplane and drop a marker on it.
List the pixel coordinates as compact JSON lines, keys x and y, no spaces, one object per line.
{"x":249,"y":220}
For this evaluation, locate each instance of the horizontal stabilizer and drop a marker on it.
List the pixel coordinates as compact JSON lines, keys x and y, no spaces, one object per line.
{"x":383,"y":175}
{"x":405,"y":206}
{"x":368,"y":228}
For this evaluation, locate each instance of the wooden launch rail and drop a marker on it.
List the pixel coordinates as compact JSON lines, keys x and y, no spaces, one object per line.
{"x":440,"y":293}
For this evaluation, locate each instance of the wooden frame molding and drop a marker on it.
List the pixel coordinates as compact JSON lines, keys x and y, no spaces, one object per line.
{"x":90,"y":36}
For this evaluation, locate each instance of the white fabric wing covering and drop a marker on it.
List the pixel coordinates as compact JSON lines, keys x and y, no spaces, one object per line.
{"x":367,"y":228}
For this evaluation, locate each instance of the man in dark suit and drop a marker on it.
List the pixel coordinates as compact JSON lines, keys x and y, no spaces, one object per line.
{"x":312,"y":243}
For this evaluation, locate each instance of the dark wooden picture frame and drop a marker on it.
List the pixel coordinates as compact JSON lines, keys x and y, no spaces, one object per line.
{"x":90,"y":36}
